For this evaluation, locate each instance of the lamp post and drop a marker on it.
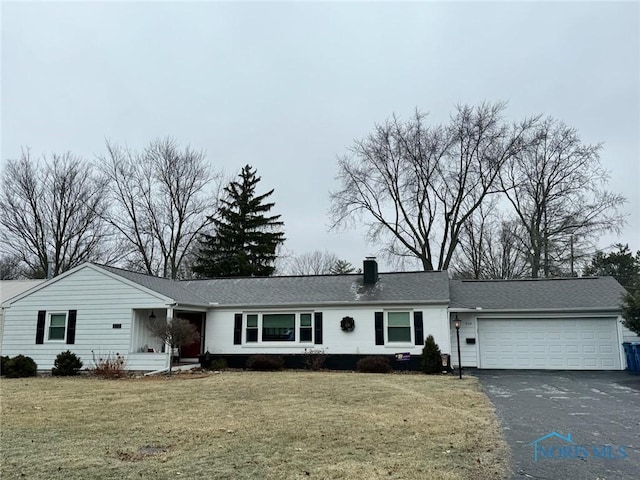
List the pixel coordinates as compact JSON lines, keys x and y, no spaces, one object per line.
{"x":458,"y":339}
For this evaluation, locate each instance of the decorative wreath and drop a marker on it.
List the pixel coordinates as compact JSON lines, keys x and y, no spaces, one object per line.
{"x":347,"y":324}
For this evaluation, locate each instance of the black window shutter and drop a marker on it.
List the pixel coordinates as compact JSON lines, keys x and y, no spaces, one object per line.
{"x":237,"y":329}
{"x":71,"y":327}
{"x":379,"y":328}
{"x":40,"y":326}
{"x":418,"y":329}
{"x":317,"y":327}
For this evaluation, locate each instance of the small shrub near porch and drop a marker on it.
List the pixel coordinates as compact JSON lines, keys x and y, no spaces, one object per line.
{"x":374,"y":365}
{"x":66,"y":364}
{"x":19,"y":366}
{"x":108,"y":365}
{"x":265,"y":363}
{"x":431,"y":357}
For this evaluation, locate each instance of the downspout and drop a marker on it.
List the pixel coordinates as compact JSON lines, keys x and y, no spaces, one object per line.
{"x":157,"y":372}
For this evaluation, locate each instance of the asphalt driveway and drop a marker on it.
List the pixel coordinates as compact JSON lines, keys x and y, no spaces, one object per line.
{"x":595,"y":417}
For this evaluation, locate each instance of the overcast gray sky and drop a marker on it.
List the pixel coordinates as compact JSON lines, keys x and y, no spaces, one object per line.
{"x":286,"y":87}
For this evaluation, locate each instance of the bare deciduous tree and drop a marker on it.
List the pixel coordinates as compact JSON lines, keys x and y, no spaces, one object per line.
{"x":10,"y":267}
{"x":556,"y":188}
{"x":490,"y":246}
{"x":160,"y":199}
{"x":175,"y":332}
{"x":51,"y":211}
{"x":416,"y":185}
{"x":312,"y":263}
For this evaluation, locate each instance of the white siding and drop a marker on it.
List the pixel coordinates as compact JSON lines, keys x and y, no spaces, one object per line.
{"x":100,"y":301}
{"x":468,"y":330}
{"x":361,"y":341}
{"x":628,"y":335}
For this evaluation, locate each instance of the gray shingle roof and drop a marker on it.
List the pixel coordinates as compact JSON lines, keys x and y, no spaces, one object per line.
{"x":169,"y":288}
{"x":594,"y":293}
{"x":414,"y":287}
{"x":537,"y":294}
{"x":405,"y":287}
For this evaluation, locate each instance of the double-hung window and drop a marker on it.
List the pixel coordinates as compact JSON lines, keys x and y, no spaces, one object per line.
{"x":252,"y":328}
{"x":57,"y":326}
{"x":398,"y":327}
{"x":306,"y":327}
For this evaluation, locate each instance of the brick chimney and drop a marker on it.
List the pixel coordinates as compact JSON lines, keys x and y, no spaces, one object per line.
{"x":370,"y":271}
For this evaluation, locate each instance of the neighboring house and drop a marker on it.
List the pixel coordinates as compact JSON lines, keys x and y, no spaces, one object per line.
{"x":11,"y":288}
{"x":96,"y":310}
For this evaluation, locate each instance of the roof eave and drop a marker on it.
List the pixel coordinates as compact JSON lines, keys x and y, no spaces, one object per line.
{"x":328,"y":304}
{"x":191,"y":305}
{"x":534,"y":309}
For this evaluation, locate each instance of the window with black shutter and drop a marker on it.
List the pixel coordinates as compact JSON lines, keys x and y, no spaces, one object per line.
{"x":42,"y":315}
{"x":379,"y":326}
{"x":317,"y":327}
{"x":71,"y":327}
{"x":237,"y":329}
{"x":418,"y":328}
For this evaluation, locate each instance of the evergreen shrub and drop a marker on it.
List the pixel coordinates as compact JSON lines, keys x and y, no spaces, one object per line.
{"x":431,"y":357}
{"x":374,"y":365}
{"x":265,"y":363}
{"x":66,"y":364}
{"x":19,"y":366}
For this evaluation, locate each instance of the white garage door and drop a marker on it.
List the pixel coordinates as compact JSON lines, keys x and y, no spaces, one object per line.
{"x":551,"y":343}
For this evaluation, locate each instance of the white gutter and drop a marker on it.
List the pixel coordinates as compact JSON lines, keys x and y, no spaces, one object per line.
{"x":536,"y":310}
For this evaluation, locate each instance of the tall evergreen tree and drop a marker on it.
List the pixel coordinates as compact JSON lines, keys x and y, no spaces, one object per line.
{"x":245,"y":239}
{"x":620,"y":264}
{"x":341,"y":267}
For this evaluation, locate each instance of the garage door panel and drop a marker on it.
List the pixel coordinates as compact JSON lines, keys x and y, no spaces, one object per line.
{"x":609,"y":364}
{"x":591,"y":362}
{"x":573,"y":362}
{"x":549,"y":343}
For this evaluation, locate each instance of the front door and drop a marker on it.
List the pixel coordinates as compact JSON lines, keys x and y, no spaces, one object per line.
{"x":194,"y":349}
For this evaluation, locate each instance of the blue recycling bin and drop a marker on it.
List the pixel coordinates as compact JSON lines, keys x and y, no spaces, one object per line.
{"x":635,"y":350}
{"x":631,"y":351}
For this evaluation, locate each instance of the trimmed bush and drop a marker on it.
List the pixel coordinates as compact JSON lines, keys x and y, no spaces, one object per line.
{"x":431,"y":357}
{"x":219,"y":364}
{"x":314,"y":358}
{"x":4,"y":361}
{"x":19,"y":366}
{"x":66,"y":364}
{"x":374,"y":365}
{"x":265,"y":363}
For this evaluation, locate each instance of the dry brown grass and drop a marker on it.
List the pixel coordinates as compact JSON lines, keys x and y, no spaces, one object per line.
{"x":250,"y":425}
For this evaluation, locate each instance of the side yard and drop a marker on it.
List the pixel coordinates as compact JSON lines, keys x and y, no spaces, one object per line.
{"x":250,"y":425}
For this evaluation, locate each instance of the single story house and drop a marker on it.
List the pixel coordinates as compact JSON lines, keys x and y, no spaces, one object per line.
{"x":546,"y":324}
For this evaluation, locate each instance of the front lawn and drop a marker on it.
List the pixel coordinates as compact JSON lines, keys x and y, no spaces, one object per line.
{"x":250,"y":425}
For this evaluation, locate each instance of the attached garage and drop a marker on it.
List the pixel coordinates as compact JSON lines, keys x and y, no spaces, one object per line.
{"x":549,"y":343}
{"x":546,"y":324}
